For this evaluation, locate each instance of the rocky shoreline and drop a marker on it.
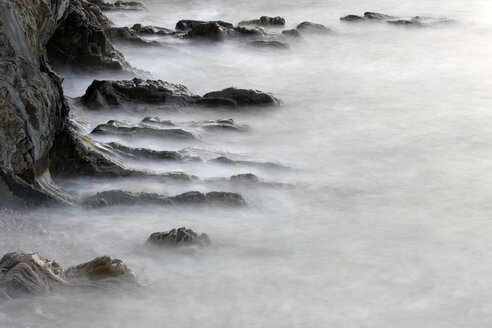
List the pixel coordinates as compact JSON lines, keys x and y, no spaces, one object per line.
{"x":39,"y":143}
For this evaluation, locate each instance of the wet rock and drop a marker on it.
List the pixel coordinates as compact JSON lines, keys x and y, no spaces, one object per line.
{"x":127,"y":35}
{"x":291,"y":33}
{"x":265,"y":21}
{"x":368,"y":16}
{"x":100,"y":268}
{"x":28,"y":273}
{"x":223,"y":124}
{"x":143,"y":153}
{"x":308,"y":27}
{"x":114,"y":128}
{"x":151,"y":30}
{"x":244,"y":97}
{"x":419,"y":21}
{"x":247,"y":177}
{"x":118,"y":5}
{"x":178,"y":237}
{"x":187,"y":25}
{"x":157,"y":121}
{"x":269,"y":44}
{"x":82,"y":40}
{"x":111,"y":94}
{"x":229,"y":161}
{"x":212,"y":31}
{"x":120,"y":197}
{"x":33,"y":108}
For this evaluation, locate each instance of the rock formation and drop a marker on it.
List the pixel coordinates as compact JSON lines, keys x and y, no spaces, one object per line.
{"x":178,"y":237}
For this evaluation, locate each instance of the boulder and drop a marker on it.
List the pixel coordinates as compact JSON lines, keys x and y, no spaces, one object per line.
{"x":187,"y":25}
{"x":28,"y":273}
{"x":178,"y":237}
{"x":127,"y":35}
{"x":244,"y":97}
{"x":246,"y":177}
{"x":100,"y":268}
{"x":212,"y":31}
{"x":265,"y":21}
{"x":308,"y":27}
{"x":291,"y":33}
{"x":111,"y":94}
{"x":114,"y":128}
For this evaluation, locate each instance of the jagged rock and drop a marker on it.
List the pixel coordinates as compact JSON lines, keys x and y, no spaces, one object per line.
{"x":269,"y":44}
{"x":143,"y":153}
{"x":223,"y":124}
{"x":120,"y":197}
{"x":292,"y":33}
{"x":151,"y":30}
{"x":251,"y":32}
{"x":100,"y":268}
{"x":32,"y":106}
{"x":82,"y":39}
{"x":308,"y":27}
{"x":110,"y":94}
{"x":115,"y":128}
{"x":118,"y":5}
{"x":157,"y":121}
{"x":178,"y":237}
{"x":243,"y":97}
{"x":265,"y":21}
{"x":28,"y":273}
{"x":210,"y":30}
{"x":187,"y":25}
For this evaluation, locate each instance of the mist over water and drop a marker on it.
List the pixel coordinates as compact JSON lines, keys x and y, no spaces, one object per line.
{"x":378,"y":212}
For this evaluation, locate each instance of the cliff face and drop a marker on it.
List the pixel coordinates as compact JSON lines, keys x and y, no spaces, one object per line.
{"x":32,"y":107}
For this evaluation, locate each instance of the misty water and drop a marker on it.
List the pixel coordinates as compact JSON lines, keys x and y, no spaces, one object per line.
{"x":377,"y":212}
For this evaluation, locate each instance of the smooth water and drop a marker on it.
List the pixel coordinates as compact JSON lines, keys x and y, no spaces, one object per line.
{"x":383,"y":218}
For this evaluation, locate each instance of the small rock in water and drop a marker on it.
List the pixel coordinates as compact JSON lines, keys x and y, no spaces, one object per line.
{"x":312,"y":28}
{"x":292,"y":32}
{"x":244,"y":97}
{"x":100,"y":268}
{"x":265,"y":21}
{"x":178,"y":237}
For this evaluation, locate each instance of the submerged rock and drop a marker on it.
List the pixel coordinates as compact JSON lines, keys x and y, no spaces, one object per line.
{"x":127,"y":35}
{"x":100,"y":268}
{"x":308,"y":27}
{"x":291,"y":33}
{"x":269,"y":44}
{"x":120,"y":197}
{"x":413,"y":21}
{"x":178,"y":237}
{"x":246,"y":177}
{"x":111,"y":94}
{"x":265,"y":21}
{"x":187,"y":25}
{"x":213,"y":31}
{"x":243,"y":97}
{"x":113,"y":128}
{"x":368,"y":16}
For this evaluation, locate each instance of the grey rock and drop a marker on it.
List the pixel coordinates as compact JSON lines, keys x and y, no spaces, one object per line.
{"x":308,"y":27}
{"x":103,"y":267}
{"x":118,"y":5}
{"x":265,"y":21}
{"x":269,"y":45}
{"x":187,"y":25}
{"x":113,"y":128}
{"x":178,"y":237}
{"x":244,"y":97}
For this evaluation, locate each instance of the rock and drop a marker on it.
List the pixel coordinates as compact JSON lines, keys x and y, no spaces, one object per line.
{"x":265,"y":21}
{"x":244,"y":97}
{"x":114,"y":128}
{"x":178,"y":237}
{"x":127,"y":35}
{"x":419,"y":21}
{"x":118,"y":5}
{"x":187,"y":25}
{"x":292,"y":32}
{"x":111,"y":94}
{"x":269,"y":44}
{"x":100,"y":268}
{"x":368,"y":16}
{"x":120,"y":197}
{"x":212,"y":31}
{"x":151,"y":30}
{"x":28,"y":273}
{"x":143,"y":153}
{"x":248,"y":177}
{"x":82,"y":40}
{"x":308,"y":27}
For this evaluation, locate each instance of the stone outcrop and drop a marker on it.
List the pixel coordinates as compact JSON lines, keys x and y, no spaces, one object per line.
{"x":22,"y":273}
{"x":118,"y":5}
{"x":82,"y":39}
{"x":121,"y":197}
{"x":178,"y":237}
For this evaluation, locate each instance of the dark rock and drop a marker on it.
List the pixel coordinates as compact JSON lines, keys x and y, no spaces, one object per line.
{"x":120,"y":197}
{"x":243,"y":97}
{"x":419,"y":21}
{"x":28,"y":273}
{"x":127,"y":35}
{"x":229,"y":161}
{"x":352,"y":18}
{"x":269,"y":44}
{"x":118,"y":5}
{"x":100,"y":268}
{"x":309,"y":27}
{"x":265,"y":21}
{"x":151,"y":30}
{"x":143,"y":153}
{"x":186,"y":25}
{"x":223,"y":124}
{"x":178,"y":237}
{"x":292,"y":33}
{"x":247,"y":177}
{"x":110,"y":94}
{"x":212,"y":31}
{"x":377,"y":16}
{"x":114,"y":128}
{"x":82,"y":40}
